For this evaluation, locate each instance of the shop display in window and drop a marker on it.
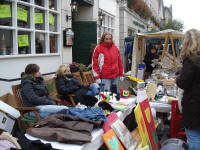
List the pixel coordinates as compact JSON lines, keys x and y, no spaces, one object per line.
{"x":5,"y":14}
{"x":39,"y":2}
{"x":25,"y":0}
{"x":28,"y":16}
{"x":5,"y":42}
{"x":39,"y":43}
{"x":52,"y":24}
{"x":53,"y":43}
{"x":53,"y":4}
{"x":23,"y":16}
{"x":39,"y":19}
{"x":24,"y":46}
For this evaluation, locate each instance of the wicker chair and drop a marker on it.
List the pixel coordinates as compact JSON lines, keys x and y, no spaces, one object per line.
{"x":88,"y":77}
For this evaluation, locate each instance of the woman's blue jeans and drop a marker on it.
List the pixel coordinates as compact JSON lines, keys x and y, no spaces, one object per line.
{"x":93,"y":89}
{"x":46,"y":110}
{"x":193,"y":139}
{"x":107,"y":83}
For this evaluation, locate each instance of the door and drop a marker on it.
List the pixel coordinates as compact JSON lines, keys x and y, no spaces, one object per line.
{"x":85,"y":33}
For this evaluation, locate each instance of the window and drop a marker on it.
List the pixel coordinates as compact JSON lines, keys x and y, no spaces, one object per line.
{"x":107,"y":25}
{"x":131,"y":32}
{"x":29,"y":27}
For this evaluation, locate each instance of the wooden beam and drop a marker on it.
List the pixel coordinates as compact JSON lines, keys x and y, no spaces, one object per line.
{"x":173,"y":50}
{"x":136,"y":45}
{"x":165,"y":47}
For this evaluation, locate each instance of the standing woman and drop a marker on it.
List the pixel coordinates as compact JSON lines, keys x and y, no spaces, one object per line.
{"x":189,"y":81}
{"x":106,"y":62}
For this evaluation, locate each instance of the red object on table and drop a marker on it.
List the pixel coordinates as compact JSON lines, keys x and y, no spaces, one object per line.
{"x":177,"y":130}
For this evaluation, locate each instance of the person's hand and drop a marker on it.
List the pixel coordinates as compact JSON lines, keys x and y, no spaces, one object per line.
{"x":98,"y":81}
{"x":121,"y":78}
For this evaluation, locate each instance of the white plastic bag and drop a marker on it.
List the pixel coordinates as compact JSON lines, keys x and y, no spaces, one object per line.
{"x":180,"y":96}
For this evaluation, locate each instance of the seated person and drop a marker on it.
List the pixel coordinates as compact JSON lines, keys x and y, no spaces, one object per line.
{"x":67,"y":84}
{"x":34,"y":92}
{"x":149,"y":60}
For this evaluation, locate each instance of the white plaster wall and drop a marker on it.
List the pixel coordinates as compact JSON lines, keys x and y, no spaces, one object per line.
{"x":66,"y":52}
{"x":167,"y":15}
{"x":154,"y":7}
{"x":116,"y":36}
{"x":12,"y":68}
{"x":88,"y":13}
{"x":108,"y":6}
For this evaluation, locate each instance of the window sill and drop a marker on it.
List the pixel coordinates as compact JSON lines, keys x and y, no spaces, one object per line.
{"x":28,"y":55}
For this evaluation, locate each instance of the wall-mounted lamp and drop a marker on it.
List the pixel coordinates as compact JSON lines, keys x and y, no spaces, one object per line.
{"x":68,"y":18}
{"x":101,"y":17}
{"x":74,"y":6}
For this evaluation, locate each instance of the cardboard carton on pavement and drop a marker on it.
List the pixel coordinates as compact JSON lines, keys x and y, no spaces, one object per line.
{"x":9,"y":99}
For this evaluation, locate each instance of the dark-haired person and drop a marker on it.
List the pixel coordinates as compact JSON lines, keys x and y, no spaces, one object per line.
{"x":34,"y":92}
{"x":107,"y":65}
{"x":149,"y":60}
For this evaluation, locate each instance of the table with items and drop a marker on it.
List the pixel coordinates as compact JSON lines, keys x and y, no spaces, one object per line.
{"x":126,"y":105}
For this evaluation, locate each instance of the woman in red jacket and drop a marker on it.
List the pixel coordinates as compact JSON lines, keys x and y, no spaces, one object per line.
{"x":106,"y":62}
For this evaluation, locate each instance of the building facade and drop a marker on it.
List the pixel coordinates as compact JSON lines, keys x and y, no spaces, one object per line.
{"x":31,"y":31}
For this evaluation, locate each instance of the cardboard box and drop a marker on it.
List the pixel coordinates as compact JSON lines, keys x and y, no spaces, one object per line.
{"x":9,"y":99}
{"x":7,"y":122}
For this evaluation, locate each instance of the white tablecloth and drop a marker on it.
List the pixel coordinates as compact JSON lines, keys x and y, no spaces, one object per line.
{"x":96,"y":133}
{"x":160,"y":106}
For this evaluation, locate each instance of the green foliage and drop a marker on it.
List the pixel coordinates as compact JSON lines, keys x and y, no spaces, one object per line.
{"x":140,"y":7}
{"x":173,"y":24}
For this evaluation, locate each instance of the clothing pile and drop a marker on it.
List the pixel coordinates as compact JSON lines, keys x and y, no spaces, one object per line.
{"x":65,"y":128}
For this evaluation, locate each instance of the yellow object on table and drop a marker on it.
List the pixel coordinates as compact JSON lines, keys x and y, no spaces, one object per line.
{"x":135,"y":79}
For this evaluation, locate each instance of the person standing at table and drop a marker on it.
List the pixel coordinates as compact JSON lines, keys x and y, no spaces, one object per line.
{"x":149,"y":60}
{"x":189,"y":81}
{"x":106,"y":62}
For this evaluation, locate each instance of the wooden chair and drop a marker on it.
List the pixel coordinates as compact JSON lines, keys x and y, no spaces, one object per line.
{"x":59,"y":95}
{"x":77,"y":76}
{"x":88,"y":77}
{"x":51,"y":86}
{"x":20,"y":106}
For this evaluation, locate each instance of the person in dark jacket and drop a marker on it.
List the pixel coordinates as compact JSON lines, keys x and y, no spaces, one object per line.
{"x":67,"y":84}
{"x":189,"y":81}
{"x":149,"y":60}
{"x":34,"y":92}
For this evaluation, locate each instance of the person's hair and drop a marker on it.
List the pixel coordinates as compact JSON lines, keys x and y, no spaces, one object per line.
{"x":30,"y":69}
{"x":61,"y":70}
{"x":152,"y":47}
{"x":191,"y":43}
{"x":159,"y":43}
{"x":103,"y":37}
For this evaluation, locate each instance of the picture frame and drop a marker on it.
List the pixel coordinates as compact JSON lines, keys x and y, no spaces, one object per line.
{"x":124,"y":135}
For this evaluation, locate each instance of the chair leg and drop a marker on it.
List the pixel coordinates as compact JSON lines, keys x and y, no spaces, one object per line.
{"x":37,"y":116}
{"x":72,"y":101}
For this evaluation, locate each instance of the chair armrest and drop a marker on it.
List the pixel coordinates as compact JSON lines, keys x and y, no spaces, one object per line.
{"x":28,"y":108}
{"x":34,"y":109}
{"x":70,"y":95}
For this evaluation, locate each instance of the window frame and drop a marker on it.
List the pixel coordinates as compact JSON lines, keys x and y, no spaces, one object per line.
{"x":109,"y":26}
{"x":14,"y":28}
